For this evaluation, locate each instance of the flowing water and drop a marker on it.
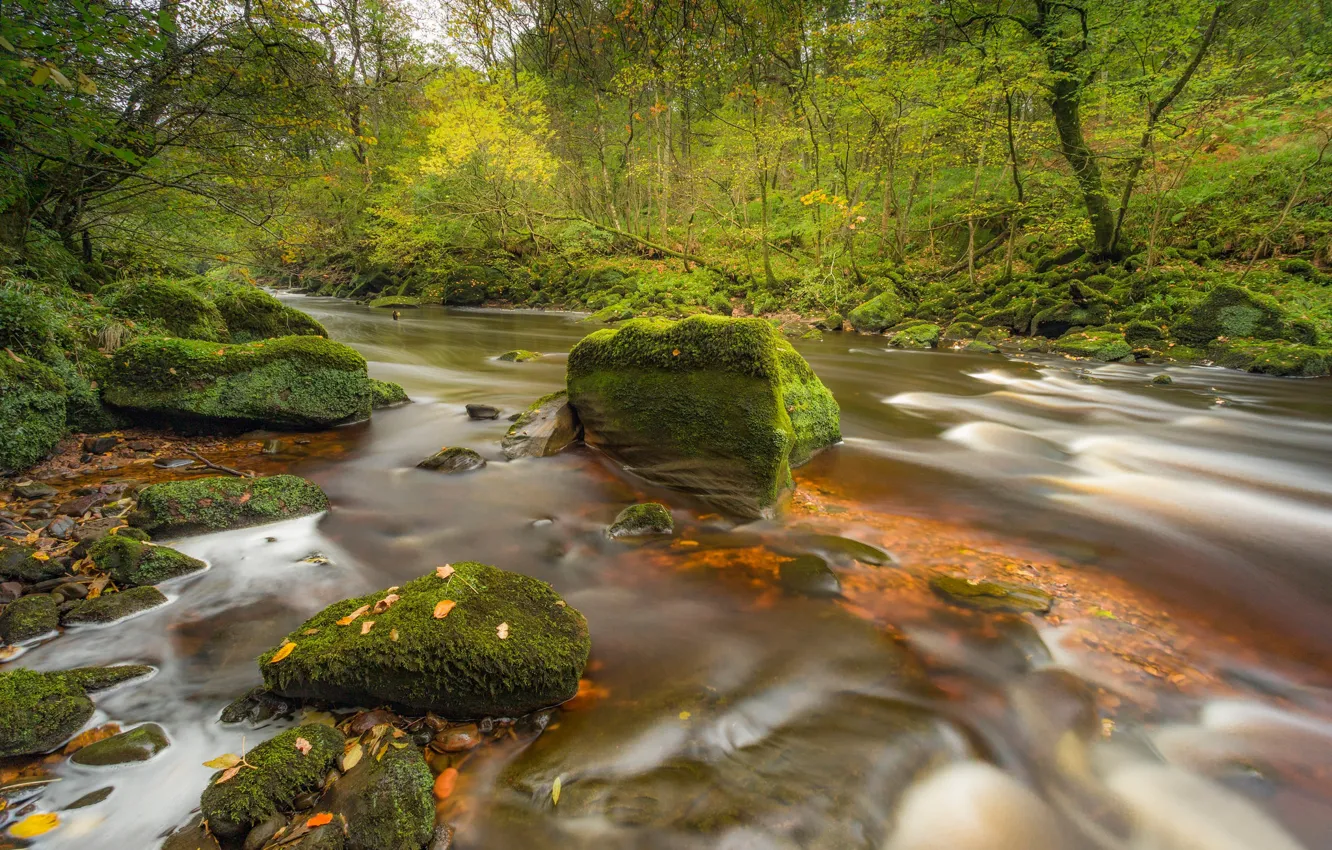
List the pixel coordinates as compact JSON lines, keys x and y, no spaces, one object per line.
{"x":1176,"y":697}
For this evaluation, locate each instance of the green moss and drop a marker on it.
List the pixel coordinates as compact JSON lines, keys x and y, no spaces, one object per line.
{"x":133,"y":563}
{"x":101,"y":678}
{"x":401,"y":302}
{"x":618,"y":312}
{"x":110,"y":607}
{"x":32,"y":413}
{"x":39,"y":711}
{"x":213,"y":504}
{"x":176,"y":308}
{"x":252,"y":314}
{"x":292,"y":382}
{"x":386,"y":394}
{"x":138,"y":744}
{"x":386,"y":802}
{"x":1140,"y":333}
{"x":833,"y":322}
{"x":1098,"y":345}
{"x":519,"y":355}
{"x":992,"y":595}
{"x":710,"y":405}
{"x":878,"y":314}
{"x":1273,"y":357}
{"x":647,"y":518}
{"x":916,"y":336}
{"x":457,"y":666}
{"x":1231,"y":311}
{"x":28,"y":617}
{"x":18,"y":564}
{"x":959,"y":330}
{"x":280,"y":773}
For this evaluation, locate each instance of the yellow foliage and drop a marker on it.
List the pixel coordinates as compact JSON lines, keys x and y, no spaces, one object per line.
{"x":498,"y":127}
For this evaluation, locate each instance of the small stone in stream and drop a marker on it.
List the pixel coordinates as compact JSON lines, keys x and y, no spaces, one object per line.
{"x":138,"y":744}
{"x":1162,"y":380}
{"x":132,"y":563}
{"x":173,"y":462}
{"x":111,"y":607}
{"x":519,"y":355}
{"x":482,"y":411}
{"x":273,"y":447}
{"x":9,"y":591}
{"x":367,"y":720}
{"x":212,"y":504}
{"x":100,"y":445}
{"x":988,"y":595}
{"x":280,"y":774}
{"x":193,"y":836}
{"x":458,"y":738}
{"x":61,"y":527}
{"x":644,"y":519}
{"x":455,"y":459}
{"x":259,"y":837}
{"x":259,"y":705}
{"x":34,"y":490}
{"x":92,"y":798}
{"x":844,"y":549}
{"x":808,"y":575}
{"x":142,"y":445}
{"x":28,"y":618}
{"x":81,"y":505}
{"x":442,"y":838}
{"x":71,"y":590}
{"x":545,"y":428}
{"x":306,"y":801}
{"x":385,"y":801}
{"x":95,"y":529}
{"x":100,"y":678}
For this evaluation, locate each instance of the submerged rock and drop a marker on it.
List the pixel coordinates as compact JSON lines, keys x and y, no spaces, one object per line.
{"x":132,"y":563}
{"x":453,"y":459}
{"x":482,"y":411}
{"x":202,"y":505}
{"x":638,"y":520}
{"x":386,"y":801}
{"x":988,"y":595}
{"x":519,"y":355}
{"x":280,"y":773}
{"x":843,"y":549}
{"x":40,"y":711}
{"x":546,"y":427}
{"x":138,"y":744}
{"x":34,"y":490}
{"x":292,"y":382}
{"x":110,"y":607}
{"x":507,"y":645}
{"x":29,"y":617}
{"x":718,"y":407}
{"x":808,"y":575}
{"x":1162,"y":380}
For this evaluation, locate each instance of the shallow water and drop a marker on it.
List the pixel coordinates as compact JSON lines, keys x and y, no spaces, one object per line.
{"x":727,"y":714}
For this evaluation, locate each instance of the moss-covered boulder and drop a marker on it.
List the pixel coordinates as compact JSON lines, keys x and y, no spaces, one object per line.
{"x":386,"y":394}
{"x":986,"y":595}
{"x":546,"y":427}
{"x":386,"y":802}
{"x":132,"y":563}
{"x":20,"y":563}
{"x":112,"y":607}
{"x":719,"y":407}
{"x":878,"y":314}
{"x":179,"y":508}
{"x":640,"y":520}
{"x":1273,"y":357}
{"x":1098,"y":345}
{"x":29,"y":617}
{"x":507,"y":645}
{"x":453,"y":459}
{"x":832,"y":322}
{"x":281,"y":771}
{"x":920,"y":336}
{"x":138,"y":744}
{"x":252,"y":314}
{"x":175,"y":307}
{"x":1139,"y":333}
{"x":519,"y":355}
{"x":291,"y":382}
{"x":1231,"y":311}
{"x":32,"y":412}
{"x":40,"y":711}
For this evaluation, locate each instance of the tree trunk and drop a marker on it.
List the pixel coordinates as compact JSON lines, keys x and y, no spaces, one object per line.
{"x":1064,"y":107}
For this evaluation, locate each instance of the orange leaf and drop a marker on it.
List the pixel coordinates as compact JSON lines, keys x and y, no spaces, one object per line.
{"x":351,"y":618}
{"x":319,"y":820}
{"x":383,"y":605}
{"x":367,"y":626}
{"x":285,"y":650}
{"x":228,"y":774}
{"x":444,"y":571}
{"x":443,"y":608}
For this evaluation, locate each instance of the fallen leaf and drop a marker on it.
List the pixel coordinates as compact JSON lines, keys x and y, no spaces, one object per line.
{"x":319,"y":820}
{"x":286,"y":649}
{"x":503,"y":631}
{"x":384,"y":604}
{"x":41,"y":556}
{"x":310,"y":632}
{"x":35,"y":825}
{"x":303,"y":745}
{"x":92,"y":736}
{"x":393,"y":635}
{"x":444,"y":571}
{"x":351,"y":757}
{"x":443,"y":608}
{"x":223,"y":762}
{"x":684,"y":715}
{"x":367,"y":626}
{"x":445,"y":783}
{"x":555,"y":792}
{"x":228,"y":774}
{"x":351,"y":618}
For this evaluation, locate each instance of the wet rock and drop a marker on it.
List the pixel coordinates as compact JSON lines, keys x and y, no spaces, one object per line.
{"x":9,"y":591}
{"x":719,"y":407}
{"x":258,"y":705}
{"x":61,"y":527}
{"x":519,"y":355}
{"x":71,"y":590}
{"x":93,"y":679}
{"x":385,"y":394}
{"x":546,"y":427}
{"x":138,"y":744}
{"x":457,"y":738}
{"x":482,"y":411}
{"x":174,"y":462}
{"x":978,"y":347}
{"x":844,"y":549}
{"x":92,"y":798}
{"x":386,"y":800}
{"x":273,"y":447}
{"x":326,"y":837}
{"x":132,"y":563}
{"x":453,"y":459}
{"x":192,"y":836}
{"x":40,"y":711}
{"x":1162,"y":380}
{"x":201,"y":505}
{"x":100,"y":445}
{"x":644,"y":519}
{"x":988,"y":595}
{"x":808,"y":575}
{"x":142,"y":445}
{"x":259,"y":837}
{"x":110,"y":607}
{"x":81,"y":505}
{"x":19,"y":563}
{"x":34,"y":490}
{"x":508,"y":645}
{"x":442,"y":839}
{"x":28,"y":618}
{"x":367,"y":720}
{"x":281,"y":772}
{"x":95,"y":529}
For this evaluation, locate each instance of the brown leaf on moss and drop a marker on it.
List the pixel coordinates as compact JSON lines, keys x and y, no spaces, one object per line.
{"x":443,"y":608}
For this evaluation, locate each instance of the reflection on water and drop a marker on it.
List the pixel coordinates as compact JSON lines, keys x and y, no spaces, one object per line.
{"x":725,"y":713}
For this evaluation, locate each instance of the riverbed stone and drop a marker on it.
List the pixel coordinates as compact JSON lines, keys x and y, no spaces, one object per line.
{"x":718,"y":407}
{"x":987,"y":595}
{"x":132,"y":563}
{"x":280,"y":773}
{"x":20,"y":563}
{"x":386,"y":801}
{"x":482,"y":411}
{"x":34,"y":490}
{"x":110,"y":607}
{"x":294,"y":382}
{"x":548,"y":426}
{"x":808,"y":575}
{"x":644,"y":519}
{"x":29,"y":617}
{"x":40,"y":711}
{"x":180,"y":508}
{"x":193,"y":836}
{"x":453,"y":459}
{"x":138,"y":744}
{"x":519,"y":355}
{"x":508,"y":646}
{"x":386,"y":394}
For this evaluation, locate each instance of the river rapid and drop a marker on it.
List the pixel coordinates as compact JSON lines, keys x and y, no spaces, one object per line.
{"x":1176,"y":697}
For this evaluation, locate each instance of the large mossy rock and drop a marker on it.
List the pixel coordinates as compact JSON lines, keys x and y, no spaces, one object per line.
{"x":252,"y":314}
{"x":131,"y":562}
{"x":280,"y":772}
{"x":1273,"y":357}
{"x":32,"y":412}
{"x":1098,"y":345}
{"x":385,"y":801}
{"x":1232,"y":311}
{"x":509,"y":645}
{"x":29,"y":617}
{"x":292,"y":382}
{"x":718,"y":407}
{"x":179,"y":508}
{"x":113,"y":607}
{"x":177,"y":308}
{"x":40,"y":711}
{"x":878,"y":314}
{"x":548,"y":426}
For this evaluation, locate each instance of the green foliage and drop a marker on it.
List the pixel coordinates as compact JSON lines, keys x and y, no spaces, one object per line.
{"x":32,"y":412}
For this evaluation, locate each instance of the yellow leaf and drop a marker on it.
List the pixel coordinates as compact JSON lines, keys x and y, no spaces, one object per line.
{"x":228,"y":774}
{"x":351,"y":618}
{"x":367,"y":626}
{"x":61,"y":80}
{"x":310,"y":632}
{"x":223,"y":762}
{"x":684,"y":715}
{"x":555,"y":792}
{"x":351,"y":757}
{"x":5,"y":43}
{"x":39,"y":76}
{"x":443,"y":608}
{"x":35,"y":825}
{"x":41,"y":556}
{"x":283,"y":652}
{"x":393,"y":635}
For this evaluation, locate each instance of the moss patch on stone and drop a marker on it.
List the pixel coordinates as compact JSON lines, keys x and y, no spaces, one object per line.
{"x":173,"y":306}
{"x":18,"y":564}
{"x":29,"y":617}
{"x":133,"y":563}
{"x":638,"y":520}
{"x":878,"y":314}
{"x":1273,"y":357}
{"x":457,"y":666}
{"x":110,"y":607}
{"x":453,"y":459}
{"x":519,"y":355}
{"x":402,"y":302}
{"x":252,"y":314}
{"x":101,"y":678}
{"x":715,"y":406}
{"x":138,"y":744}
{"x":212,"y":504}
{"x":920,"y":336}
{"x":988,"y":595}
{"x":545,"y":428}
{"x":386,"y":801}
{"x":32,"y":412}
{"x":290,"y":382}
{"x":1098,"y":345}
{"x":281,"y":772}
{"x":386,"y":394}
{"x":1231,"y":311}
{"x":39,"y":711}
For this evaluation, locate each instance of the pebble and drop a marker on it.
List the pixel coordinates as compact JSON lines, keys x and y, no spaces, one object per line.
{"x":100,"y":445}
{"x":482,"y":411}
{"x":61,"y":527}
{"x":34,"y":490}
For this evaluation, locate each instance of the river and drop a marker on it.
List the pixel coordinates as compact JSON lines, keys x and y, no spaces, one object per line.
{"x":1177,"y":696}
